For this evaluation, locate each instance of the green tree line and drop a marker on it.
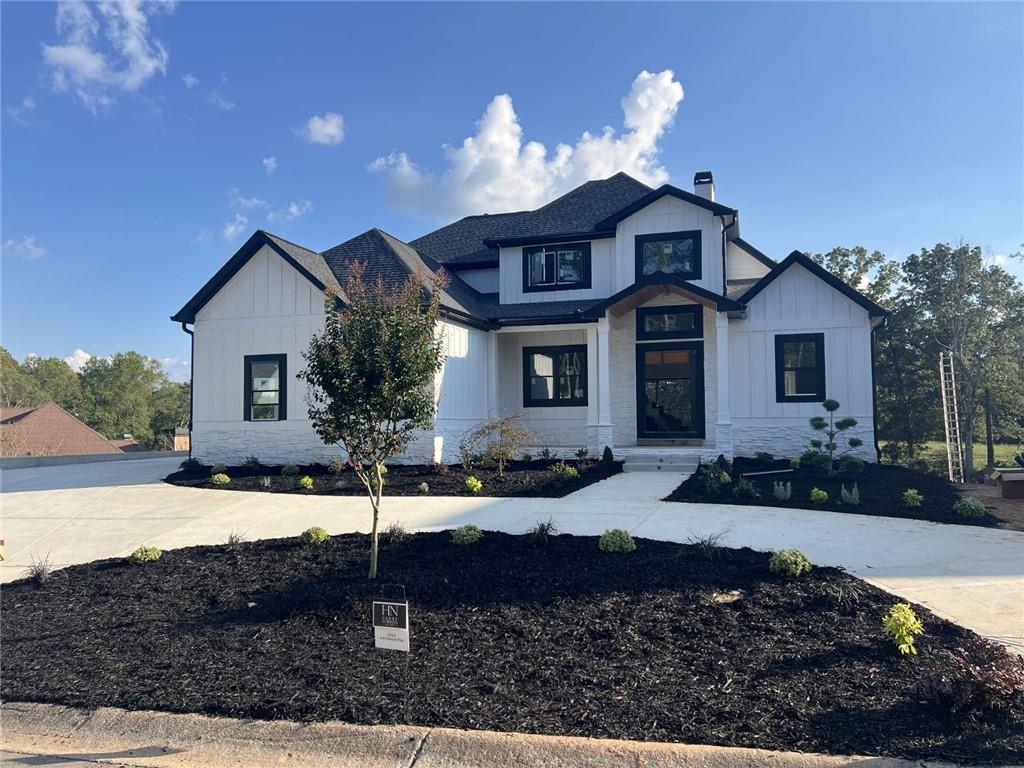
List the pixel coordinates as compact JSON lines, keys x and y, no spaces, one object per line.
{"x":948,"y":298}
{"x":128,"y":393}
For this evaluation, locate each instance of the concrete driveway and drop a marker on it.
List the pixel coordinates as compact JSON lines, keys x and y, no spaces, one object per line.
{"x":78,"y":513}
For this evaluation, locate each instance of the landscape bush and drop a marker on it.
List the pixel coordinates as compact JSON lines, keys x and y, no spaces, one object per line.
{"x":815,"y":460}
{"x":336,"y":466}
{"x":235,"y":540}
{"x":265,"y":482}
{"x":220,"y":479}
{"x":38,"y":571}
{"x":976,"y":678}
{"x":764,"y":457}
{"x":542,"y":531}
{"x":819,"y":496}
{"x":969,"y":506}
{"x":290,"y":469}
{"x":851,"y":465}
{"x":190,"y":465}
{"x":466,"y":535}
{"x":547,"y":454}
{"x":782,"y":491}
{"x":794,"y":463}
{"x":497,"y":439}
{"x":218,"y":469}
{"x":902,"y":626}
{"x":252,"y":462}
{"x":789,"y":562}
{"x":708,"y":547}
{"x":306,"y":483}
{"x":423,"y":487}
{"x":607,"y":458}
{"x":395,"y":533}
{"x":616,"y":540}
{"x":143,"y":554}
{"x":314,"y":535}
{"x":832,"y":429}
{"x":744,"y":489}
{"x":912,"y":498}
{"x":527,"y":457}
{"x":565,"y":471}
{"x":850,"y":497}
{"x":474,"y":485}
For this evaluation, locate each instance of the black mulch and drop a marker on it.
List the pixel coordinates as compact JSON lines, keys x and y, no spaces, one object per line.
{"x":881,"y":489}
{"x":521,"y":478}
{"x":506,"y":635}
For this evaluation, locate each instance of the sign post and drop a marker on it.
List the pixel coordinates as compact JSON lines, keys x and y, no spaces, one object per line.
{"x":391,"y":624}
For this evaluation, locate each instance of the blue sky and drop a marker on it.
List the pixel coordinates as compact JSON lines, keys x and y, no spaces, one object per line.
{"x":136,"y":139}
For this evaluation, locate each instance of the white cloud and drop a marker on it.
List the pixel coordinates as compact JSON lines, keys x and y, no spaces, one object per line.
{"x":26,"y":247}
{"x":493,"y":171}
{"x":134,"y":56}
{"x":290,"y":212}
{"x":204,"y":238}
{"x":235,"y":227}
{"x":329,"y":129}
{"x":249,"y":202}
{"x":20,"y":112}
{"x":269,"y":164}
{"x":214,"y":96}
{"x":176,"y":368}
{"x":190,"y":81}
{"x":77,"y":359}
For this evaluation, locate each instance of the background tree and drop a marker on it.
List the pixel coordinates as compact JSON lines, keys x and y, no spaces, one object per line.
{"x":170,"y":406}
{"x":56,"y":381}
{"x":118,"y":393}
{"x":17,"y":389}
{"x":371,"y":377}
{"x":873,"y":274}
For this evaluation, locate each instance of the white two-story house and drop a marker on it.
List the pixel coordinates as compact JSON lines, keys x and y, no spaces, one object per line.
{"x":617,"y":315}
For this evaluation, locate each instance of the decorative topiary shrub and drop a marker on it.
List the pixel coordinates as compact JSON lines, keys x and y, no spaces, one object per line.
{"x":832,"y":429}
{"x":902,"y":626}
{"x":616,"y":540}
{"x":474,"y":485}
{"x":466,"y":535}
{"x":144,"y":554}
{"x":220,"y":479}
{"x":306,"y":483}
{"x":290,"y":469}
{"x":850,"y":497}
{"x":790,"y":562}
{"x":607,"y":458}
{"x":912,"y":498}
{"x":969,"y":506}
{"x":565,"y":471}
{"x":314,"y":535}
{"x":819,"y":496}
{"x":782,"y":491}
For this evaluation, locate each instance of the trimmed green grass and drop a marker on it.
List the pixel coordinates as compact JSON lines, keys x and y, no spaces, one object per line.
{"x":1004,"y":453}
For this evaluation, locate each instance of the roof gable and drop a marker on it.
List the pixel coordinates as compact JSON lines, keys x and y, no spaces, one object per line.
{"x":642,"y":288}
{"x":796,"y":257}
{"x":612,"y":220}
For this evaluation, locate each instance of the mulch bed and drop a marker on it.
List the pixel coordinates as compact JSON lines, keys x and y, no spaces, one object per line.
{"x":881,"y":489}
{"x":521,"y":478}
{"x":507,"y":635}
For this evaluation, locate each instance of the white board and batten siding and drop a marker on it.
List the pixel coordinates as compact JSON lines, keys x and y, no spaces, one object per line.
{"x":798,"y":302}
{"x":268,"y":307}
{"x":602,"y":276}
{"x":740,"y":265}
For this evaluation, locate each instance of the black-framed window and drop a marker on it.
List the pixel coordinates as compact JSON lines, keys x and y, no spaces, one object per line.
{"x":672,"y":253}
{"x":560,"y":267}
{"x":554,"y":376}
{"x":265,"y":385}
{"x":682,"y":322}
{"x":800,"y":368}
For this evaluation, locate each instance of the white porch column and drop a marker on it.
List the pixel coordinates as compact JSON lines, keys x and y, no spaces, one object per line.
{"x":599,"y":404}
{"x":492,"y":374}
{"x":604,"y":377}
{"x":723,"y":424}
{"x":593,"y":356}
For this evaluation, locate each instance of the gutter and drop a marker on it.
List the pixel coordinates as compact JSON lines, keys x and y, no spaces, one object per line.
{"x":874,"y":394}
{"x":192,"y":381}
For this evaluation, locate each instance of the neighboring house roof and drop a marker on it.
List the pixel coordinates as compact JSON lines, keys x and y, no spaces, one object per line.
{"x":129,"y":445}
{"x":48,"y":430}
{"x":796,"y":257}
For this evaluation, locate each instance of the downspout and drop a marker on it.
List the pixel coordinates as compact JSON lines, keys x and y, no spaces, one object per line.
{"x":874,"y":395}
{"x":726,"y":228}
{"x":192,"y":382}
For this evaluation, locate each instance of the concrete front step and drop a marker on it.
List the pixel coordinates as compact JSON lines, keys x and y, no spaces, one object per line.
{"x":659,"y":462}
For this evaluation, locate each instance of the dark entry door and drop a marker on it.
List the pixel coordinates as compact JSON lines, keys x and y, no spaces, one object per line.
{"x":670,"y":389}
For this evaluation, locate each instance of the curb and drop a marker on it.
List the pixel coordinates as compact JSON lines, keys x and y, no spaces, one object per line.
{"x":163,"y":740}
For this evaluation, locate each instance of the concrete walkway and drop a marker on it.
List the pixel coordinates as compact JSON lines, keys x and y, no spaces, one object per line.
{"x":74,"y":514}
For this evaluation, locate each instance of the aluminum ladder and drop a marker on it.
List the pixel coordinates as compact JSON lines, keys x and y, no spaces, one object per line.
{"x":951,"y":418}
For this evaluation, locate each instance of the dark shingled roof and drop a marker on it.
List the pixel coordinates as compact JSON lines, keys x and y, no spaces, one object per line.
{"x":311,"y":260}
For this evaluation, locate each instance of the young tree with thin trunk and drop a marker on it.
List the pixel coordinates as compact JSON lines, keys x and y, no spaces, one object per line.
{"x":371,"y":376}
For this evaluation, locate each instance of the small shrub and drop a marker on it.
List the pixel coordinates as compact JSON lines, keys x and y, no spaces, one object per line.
{"x":724,"y":478}
{"x":191,"y":465}
{"x":220,"y":479}
{"x":1018,"y":459}
{"x":565,"y":471}
{"x":819,"y":496}
{"x":541,"y":532}
{"x":144,"y":554}
{"x":547,"y":454}
{"x":235,"y":540}
{"x":850,"y":497}
{"x":466,"y":535}
{"x":764,"y":457}
{"x":582,"y":454}
{"x":252,"y":462}
{"x":265,"y":482}
{"x":977,"y":678}
{"x":607,"y":458}
{"x":38,"y":571}
{"x":527,"y":457}
{"x":912,"y":498}
{"x":843,"y":594}
{"x":336,"y":466}
{"x":488,"y":463}
{"x":969,"y":506}
{"x":794,"y":463}
{"x":423,"y":487}
{"x":815,"y":460}
{"x":851,"y":465}
{"x":289,"y":470}
{"x":616,"y":540}
{"x":218,"y":469}
{"x":474,"y":485}
{"x":498,"y":440}
{"x":744,"y":489}
{"x":708,"y":547}
{"x":395,"y":533}
{"x":314,"y":535}
{"x":706,"y":479}
{"x":789,"y":562}
{"x":306,"y":483}
{"x":440,"y":468}
{"x":782,"y":491}
{"x":902,"y":626}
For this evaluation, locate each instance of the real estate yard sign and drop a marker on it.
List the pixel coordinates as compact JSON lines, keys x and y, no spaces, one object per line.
{"x":391,"y":624}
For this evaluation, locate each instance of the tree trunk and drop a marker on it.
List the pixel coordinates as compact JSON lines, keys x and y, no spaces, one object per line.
{"x":990,"y":444}
{"x":375,"y":496}
{"x":968,"y":411}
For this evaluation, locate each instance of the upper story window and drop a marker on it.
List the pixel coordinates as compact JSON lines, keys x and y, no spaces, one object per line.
{"x":556,"y":267}
{"x":265,"y":387}
{"x":681,"y":322}
{"x":555,"y":375}
{"x":800,"y":368}
{"x":674,"y":253}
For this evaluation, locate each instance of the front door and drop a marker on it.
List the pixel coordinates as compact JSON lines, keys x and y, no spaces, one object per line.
{"x":670,"y":389}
